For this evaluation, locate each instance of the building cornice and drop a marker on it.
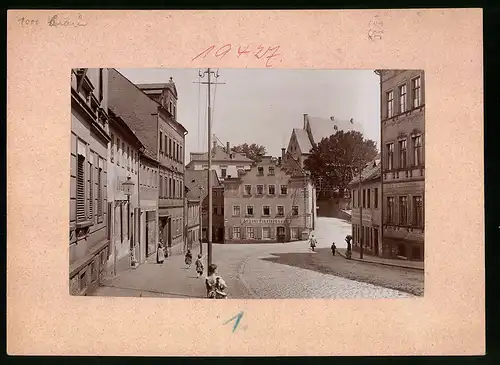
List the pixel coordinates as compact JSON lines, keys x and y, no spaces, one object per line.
{"x":76,"y":101}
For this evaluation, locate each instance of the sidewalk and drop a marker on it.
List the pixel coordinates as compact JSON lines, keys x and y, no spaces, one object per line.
{"x":168,"y":280}
{"x":416,"y":265}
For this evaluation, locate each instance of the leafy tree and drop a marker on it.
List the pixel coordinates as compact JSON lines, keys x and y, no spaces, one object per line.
{"x":253,"y":151}
{"x":335,"y":159}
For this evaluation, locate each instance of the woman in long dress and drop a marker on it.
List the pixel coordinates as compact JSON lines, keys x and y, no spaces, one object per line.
{"x":160,"y":255}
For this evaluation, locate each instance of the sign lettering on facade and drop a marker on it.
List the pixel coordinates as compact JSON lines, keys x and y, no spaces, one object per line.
{"x":263,"y":221}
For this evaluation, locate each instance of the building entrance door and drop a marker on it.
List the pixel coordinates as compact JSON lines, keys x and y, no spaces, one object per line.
{"x":280,"y":233}
{"x":375,"y":241}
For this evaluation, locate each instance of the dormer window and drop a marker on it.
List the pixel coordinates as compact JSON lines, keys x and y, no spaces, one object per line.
{"x":260,"y":170}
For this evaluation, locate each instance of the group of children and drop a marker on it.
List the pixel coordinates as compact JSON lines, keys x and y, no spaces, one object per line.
{"x":188,"y":259}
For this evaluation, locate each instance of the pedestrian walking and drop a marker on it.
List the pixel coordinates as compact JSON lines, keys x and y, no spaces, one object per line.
{"x":312,"y":242}
{"x":199,"y":266}
{"x":348,"y":239}
{"x":334,"y":248}
{"x":188,"y":259}
{"x":215,"y":284}
{"x":160,"y":255}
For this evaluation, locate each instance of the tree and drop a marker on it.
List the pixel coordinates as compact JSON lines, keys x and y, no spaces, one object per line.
{"x":335,"y":159}
{"x":254,"y":151}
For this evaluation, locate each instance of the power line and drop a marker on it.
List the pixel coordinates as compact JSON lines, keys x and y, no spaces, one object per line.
{"x":199,"y":92}
{"x":213,"y":103}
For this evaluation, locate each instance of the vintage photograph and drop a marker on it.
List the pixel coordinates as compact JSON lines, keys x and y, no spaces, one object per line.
{"x":247,"y":183}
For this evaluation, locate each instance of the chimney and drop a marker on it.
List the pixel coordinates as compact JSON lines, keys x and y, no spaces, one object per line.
{"x":305,"y":120}
{"x":227,"y":147}
{"x":283,"y":154}
{"x":279,"y":161}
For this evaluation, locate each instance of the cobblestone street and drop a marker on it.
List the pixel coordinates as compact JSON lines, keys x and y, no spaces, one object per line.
{"x":251,"y":271}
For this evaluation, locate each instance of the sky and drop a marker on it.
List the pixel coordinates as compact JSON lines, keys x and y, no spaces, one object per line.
{"x":263,"y":105}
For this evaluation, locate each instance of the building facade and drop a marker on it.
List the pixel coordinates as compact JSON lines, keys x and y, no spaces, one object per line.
{"x":88,"y":226}
{"x":147,"y":217}
{"x":268,"y":203}
{"x":170,"y":154}
{"x":150,"y":111}
{"x":403,"y":162}
{"x":192,"y":218}
{"x":123,"y":166}
{"x":196,"y":181}
{"x":369,"y":198}
{"x":225,"y":162}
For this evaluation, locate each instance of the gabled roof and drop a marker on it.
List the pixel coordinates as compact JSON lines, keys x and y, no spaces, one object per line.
{"x":194,"y":180}
{"x":302,"y":140}
{"x":160,"y":86}
{"x":219,"y":154}
{"x":325,"y":127}
{"x":371,"y":172}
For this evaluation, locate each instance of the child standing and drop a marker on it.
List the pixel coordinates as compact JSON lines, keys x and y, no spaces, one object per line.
{"x":199,"y":266}
{"x":188,"y":259}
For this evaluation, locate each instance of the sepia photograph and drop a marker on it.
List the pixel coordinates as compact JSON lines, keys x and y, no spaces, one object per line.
{"x":247,"y":183}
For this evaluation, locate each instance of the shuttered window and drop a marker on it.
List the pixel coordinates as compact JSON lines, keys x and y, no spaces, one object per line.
{"x":99,"y":193}
{"x":80,"y":189}
{"x":91,"y":191}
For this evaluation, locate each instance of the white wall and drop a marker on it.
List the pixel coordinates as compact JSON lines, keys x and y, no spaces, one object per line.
{"x":117,"y":175}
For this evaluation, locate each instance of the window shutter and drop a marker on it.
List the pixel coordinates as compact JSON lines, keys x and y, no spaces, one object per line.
{"x":91,"y":191}
{"x":80,"y":189}
{"x":99,"y":192}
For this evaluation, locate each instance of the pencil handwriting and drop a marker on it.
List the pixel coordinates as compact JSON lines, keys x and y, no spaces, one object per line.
{"x":56,"y":21}
{"x":269,"y":54}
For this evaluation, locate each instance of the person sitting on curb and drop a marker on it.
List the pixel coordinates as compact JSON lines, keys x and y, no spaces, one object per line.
{"x":215,"y":284}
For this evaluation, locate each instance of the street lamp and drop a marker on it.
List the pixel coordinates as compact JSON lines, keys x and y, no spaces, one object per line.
{"x":127,"y":188}
{"x":200,"y":218}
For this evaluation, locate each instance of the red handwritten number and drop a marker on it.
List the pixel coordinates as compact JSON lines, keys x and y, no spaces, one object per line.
{"x":273,"y":55}
{"x":260,"y":49}
{"x":224,"y":52}
{"x":205,"y":52}
{"x":240,"y":52}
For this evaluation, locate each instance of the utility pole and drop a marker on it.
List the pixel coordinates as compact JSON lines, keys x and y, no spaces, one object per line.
{"x":209,"y":148}
{"x":361,"y":201}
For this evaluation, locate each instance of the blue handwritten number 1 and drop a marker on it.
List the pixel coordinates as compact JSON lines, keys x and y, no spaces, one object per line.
{"x":238,"y":319}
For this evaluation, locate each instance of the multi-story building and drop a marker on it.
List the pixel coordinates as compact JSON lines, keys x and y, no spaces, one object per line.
{"x":369,"y":198}
{"x":123,"y":200}
{"x":313,"y":131}
{"x":193,"y":219}
{"x":147,"y":230}
{"x":88,"y":225}
{"x":403,"y":162}
{"x":170,"y":154}
{"x":196,"y":181}
{"x":268,"y":203}
{"x":225,"y":162}
{"x":150,"y":111}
